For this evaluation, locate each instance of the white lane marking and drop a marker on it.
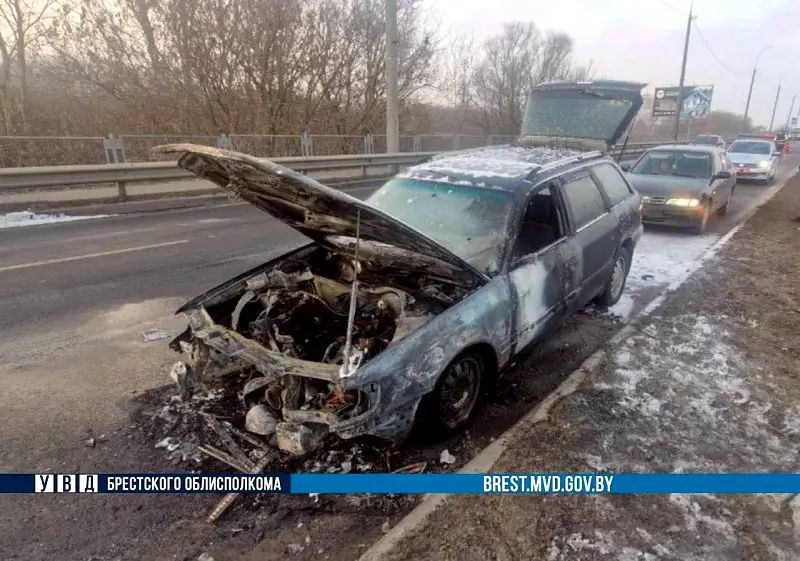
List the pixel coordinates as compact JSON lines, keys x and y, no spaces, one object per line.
{"x":89,"y":256}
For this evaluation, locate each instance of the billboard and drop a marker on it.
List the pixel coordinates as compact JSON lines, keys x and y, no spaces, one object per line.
{"x":695,"y":102}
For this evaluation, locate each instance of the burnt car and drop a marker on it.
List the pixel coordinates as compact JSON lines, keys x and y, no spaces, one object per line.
{"x":406,"y":306}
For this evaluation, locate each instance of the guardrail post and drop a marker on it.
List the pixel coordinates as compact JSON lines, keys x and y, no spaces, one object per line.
{"x":417,"y":145}
{"x":224,"y":142}
{"x":115,"y":154}
{"x":306,"y":145}
{"x":456,"y":141}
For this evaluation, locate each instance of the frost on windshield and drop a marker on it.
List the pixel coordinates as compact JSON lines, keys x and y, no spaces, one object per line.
{"x":576,"y":115}
{"x":470,"y":222}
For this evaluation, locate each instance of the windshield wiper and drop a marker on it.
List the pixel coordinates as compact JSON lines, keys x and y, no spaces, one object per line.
{"x":594,"y":94}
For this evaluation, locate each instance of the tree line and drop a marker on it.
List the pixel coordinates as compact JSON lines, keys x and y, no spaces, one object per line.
{"x":93,"y":67}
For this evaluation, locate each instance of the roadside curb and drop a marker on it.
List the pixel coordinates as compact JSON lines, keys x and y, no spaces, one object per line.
{"x":487,"y":457}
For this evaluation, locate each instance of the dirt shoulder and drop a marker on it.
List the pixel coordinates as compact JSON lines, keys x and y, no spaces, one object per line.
{"x":708,"y":384}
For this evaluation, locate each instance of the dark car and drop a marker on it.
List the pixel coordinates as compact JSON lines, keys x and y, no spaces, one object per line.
{"x":683,"y":185}
{"x":459,"y":264}
{"x":710,"y":140}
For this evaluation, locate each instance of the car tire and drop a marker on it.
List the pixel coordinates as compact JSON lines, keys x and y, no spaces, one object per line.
{"x":615,"y":286}
{"x":438,"y":413}
{"x":702,"y":224}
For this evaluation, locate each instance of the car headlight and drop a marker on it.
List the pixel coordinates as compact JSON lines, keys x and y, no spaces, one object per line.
{"x":683,"y":202}
{"x":764,"y":163}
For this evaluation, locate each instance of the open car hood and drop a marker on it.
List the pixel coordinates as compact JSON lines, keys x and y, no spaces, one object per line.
{"x":311,"y":208}
{"x":600,"y":110}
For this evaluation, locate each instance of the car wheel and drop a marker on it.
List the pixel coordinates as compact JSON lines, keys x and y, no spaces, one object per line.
{"x":701,"y":225}
{"x":616,"y":282}
{"x":455,"y":400}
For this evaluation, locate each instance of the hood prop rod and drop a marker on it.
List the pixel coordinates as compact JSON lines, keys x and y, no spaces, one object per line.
{"x":345,"y":369}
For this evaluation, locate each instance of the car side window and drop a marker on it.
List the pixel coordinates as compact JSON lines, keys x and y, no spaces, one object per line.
{"x":542,"y":223}
{"x":584,"y":201}
{"x":612,"y":183}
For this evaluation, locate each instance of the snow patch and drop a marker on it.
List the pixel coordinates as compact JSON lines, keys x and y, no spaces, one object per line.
{"x":665,"y":258}
{"x":624,"y":308}
{"x":28,"y":218}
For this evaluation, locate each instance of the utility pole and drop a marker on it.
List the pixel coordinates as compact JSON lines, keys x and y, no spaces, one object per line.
{"x":775,"y":107}
{"x":392,"y":101}
{"x":791,"y":108}
{"x":750,"y":91}
{"x":683,"y":73}
{"x":747,"y":105}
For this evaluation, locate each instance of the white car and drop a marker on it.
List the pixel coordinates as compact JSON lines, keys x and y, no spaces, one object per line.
{"x":754,"y":159}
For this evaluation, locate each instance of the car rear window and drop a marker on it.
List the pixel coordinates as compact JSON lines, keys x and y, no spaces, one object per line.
{"x":584,"y":200}
{"x":612,"y":183}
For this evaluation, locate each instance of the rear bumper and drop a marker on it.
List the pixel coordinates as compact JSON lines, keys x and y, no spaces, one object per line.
{"x":753,"y":173}
{"x":672,"y":215}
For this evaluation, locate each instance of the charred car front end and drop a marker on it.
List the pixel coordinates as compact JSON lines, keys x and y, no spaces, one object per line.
{"x":313,"y":359}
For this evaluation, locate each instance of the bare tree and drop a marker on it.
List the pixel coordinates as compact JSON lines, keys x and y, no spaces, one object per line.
{"x":25,"y":24}
{"x":512,"y":63}
{"x":460,"y":60}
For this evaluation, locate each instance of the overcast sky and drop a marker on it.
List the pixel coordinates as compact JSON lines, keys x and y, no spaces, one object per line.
{"x":643,"y":40}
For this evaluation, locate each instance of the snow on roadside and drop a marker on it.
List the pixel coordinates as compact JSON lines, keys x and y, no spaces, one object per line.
{"x":661,"y":259}
{"x":28,"y":218}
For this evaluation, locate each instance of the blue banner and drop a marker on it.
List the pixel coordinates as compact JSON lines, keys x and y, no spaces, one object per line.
{"x":511,"y":483}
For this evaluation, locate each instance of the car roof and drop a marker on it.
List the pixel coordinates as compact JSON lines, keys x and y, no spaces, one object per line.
{"x":498,"y":167}
{"x":686,"y":148}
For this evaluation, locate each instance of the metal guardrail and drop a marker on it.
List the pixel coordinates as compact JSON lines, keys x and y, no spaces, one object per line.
{"x":67,"y":177}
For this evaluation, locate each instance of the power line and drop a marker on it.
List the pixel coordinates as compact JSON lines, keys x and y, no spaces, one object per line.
{"x":668,"y":5}
{"x":710,"y":50}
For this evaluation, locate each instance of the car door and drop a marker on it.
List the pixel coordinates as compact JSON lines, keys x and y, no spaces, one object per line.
{"x":596,"y":231}
{"x":543,"y":266}
{"x":721,"y":189}
{"x":727,"y":165}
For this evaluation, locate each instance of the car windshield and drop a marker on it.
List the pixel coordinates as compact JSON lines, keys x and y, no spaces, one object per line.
{"x":471,"y":222}
{"x":712,"y":140}
{"x":749,"y":147}
{"x":574,"y":114}
{"x":674,"y":162}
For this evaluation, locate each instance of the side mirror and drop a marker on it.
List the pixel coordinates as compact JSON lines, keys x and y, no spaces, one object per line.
{"x":625,"y":167}
{"x":723,"y":175}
